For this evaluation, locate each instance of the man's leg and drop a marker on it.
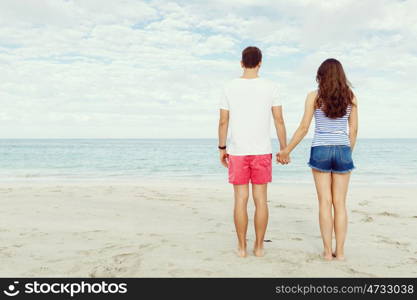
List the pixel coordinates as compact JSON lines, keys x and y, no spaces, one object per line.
{"x":241,"y":215}
{"x":259,"y":193}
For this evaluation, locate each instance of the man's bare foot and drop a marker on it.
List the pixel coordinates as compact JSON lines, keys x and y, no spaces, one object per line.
{"x":259,"y":252}
{"x":340,"y":257}
{"x":327,"y":255}
{"x":241,"y":252}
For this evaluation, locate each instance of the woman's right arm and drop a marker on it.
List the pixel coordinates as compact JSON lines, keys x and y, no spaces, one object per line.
{"x":353,"y":123}
{"x":302,"y":129}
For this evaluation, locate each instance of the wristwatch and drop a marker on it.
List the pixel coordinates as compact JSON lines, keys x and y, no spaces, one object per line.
{"x":222,"y":147}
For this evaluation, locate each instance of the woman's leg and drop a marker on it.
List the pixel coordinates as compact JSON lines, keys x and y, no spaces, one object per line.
{"x":241,"y":215}
{"x":323,"y":183}
{"x":259,"y":193}
{"x":340,"y":183}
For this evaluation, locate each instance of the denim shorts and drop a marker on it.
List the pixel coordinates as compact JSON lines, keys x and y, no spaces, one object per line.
{"x":335,"y":158}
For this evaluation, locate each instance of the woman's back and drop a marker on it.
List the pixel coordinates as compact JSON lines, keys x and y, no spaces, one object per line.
{"x":329,"y":131}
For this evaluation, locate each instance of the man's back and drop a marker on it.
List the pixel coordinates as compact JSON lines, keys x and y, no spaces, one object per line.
{"x":249,"y":102}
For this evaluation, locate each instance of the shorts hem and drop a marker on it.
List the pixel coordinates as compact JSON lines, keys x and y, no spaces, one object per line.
{"x":318,"y":169}
{"x":330,"y":171}
{"x":239,"y":183}
{"x":344,"y":171}
{"x":264,"y":182}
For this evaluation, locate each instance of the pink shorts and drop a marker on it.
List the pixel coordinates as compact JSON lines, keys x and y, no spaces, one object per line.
{"x":254,"y":168}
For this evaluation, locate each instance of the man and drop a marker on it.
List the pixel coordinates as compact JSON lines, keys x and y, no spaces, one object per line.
{"x":247,"y":105}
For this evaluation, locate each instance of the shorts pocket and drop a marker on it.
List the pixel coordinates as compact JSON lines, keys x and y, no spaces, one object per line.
{"x":320,"y":153}
{"x":346,"y":155}
{"x":264,"y":160}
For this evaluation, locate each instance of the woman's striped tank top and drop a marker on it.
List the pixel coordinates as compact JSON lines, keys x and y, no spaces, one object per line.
{"x":331,"y":131}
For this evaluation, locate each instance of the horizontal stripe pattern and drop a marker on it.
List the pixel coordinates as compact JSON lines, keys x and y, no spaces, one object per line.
{"x":331,"y":131}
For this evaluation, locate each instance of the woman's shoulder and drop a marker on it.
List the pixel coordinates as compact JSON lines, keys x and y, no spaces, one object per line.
{"x":354,"y":99}
{"x":312,"y":96}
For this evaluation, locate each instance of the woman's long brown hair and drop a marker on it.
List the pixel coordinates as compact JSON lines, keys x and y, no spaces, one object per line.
{"x":334,"y":93}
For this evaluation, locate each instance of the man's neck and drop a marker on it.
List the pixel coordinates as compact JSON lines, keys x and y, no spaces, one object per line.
{"x":250,"y":73}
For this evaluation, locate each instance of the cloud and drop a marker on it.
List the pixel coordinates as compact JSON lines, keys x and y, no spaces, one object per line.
{"x":155,"y":68}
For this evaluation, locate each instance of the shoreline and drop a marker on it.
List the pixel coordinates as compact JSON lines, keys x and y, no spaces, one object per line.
{"x":181,"y":180}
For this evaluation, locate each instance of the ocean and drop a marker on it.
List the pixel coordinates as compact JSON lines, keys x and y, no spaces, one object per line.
{"x":377,"y":161}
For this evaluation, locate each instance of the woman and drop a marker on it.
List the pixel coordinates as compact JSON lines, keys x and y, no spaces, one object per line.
{"x":334,"y":107}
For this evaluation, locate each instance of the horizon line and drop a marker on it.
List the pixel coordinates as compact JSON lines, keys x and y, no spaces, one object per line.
{"x":173,"y":138}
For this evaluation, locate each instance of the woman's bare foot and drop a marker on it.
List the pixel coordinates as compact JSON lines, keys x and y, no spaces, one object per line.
{"x":241,"y":252}
{"x":259,"y":252}
{"x":339,"y":253}
{"x":327,"y":255}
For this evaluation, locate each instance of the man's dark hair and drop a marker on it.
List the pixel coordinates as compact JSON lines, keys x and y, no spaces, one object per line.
{"x":251,"y":57}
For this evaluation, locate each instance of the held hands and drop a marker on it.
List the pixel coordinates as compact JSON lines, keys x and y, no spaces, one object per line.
{"x":223,"y":158}
{"x":283,"y":157}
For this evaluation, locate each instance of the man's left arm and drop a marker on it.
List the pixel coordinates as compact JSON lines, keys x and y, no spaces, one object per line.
{"x":223,"y":127}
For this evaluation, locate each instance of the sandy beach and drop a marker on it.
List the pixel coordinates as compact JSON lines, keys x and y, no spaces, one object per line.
{"x":185,"y":229}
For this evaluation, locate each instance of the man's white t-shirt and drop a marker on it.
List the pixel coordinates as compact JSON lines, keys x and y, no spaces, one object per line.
{"x":249,"y":103}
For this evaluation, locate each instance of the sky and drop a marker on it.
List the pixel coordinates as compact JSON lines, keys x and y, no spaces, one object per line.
{"x":155,"y":69}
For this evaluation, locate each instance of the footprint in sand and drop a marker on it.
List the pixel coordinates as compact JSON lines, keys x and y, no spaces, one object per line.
{"x":120,"y":264}
{"x":297,"y":239}
{"x":367,"y":219}
{"x":363,"y":203}
{"x":354,"y":272}
{"x":413,"y":260}
{"x":280,"y":206}
{"x":154,"y":234}
{"x":385,"y":197}
{"x":387,"y":240}
{"x":388,"y":214}
{"x":101,"y":271}
{"x":147,"y":245}
{"x":358,"y":211}
{"x":310,"y":257}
